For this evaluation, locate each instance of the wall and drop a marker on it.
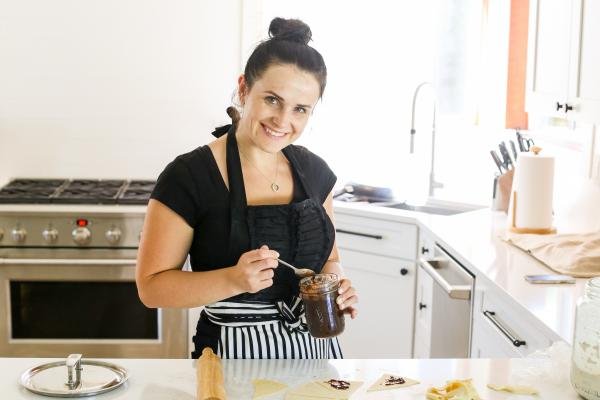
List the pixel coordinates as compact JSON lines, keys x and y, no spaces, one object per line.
{"x":112,"y":88}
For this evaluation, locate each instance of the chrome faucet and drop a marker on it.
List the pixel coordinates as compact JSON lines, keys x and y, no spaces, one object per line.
{"x":433,"y":184}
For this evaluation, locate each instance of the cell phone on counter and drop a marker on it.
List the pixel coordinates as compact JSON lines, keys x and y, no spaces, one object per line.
{"x":549,"y":278}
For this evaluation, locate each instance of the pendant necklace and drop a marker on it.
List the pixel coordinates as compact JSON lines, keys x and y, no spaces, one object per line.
{"x":274,"y":185}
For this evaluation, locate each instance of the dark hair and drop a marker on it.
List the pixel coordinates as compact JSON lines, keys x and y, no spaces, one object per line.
{"x":287,"y":44}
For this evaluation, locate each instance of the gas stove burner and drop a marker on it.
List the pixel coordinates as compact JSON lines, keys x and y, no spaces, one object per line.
{"x":137,"y":192}
{"x":36,"y":191}
{"x":77,"y":191}
{"x":35,"y":183}
{"x":88,"y":191}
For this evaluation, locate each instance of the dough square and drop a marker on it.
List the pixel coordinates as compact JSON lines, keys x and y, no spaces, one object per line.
{"x":322,"y":390}
{"x":265,"y":387}
{"x":380,"y":384}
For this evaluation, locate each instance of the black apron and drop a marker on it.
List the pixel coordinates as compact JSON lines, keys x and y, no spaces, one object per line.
{"x":270,"y":323}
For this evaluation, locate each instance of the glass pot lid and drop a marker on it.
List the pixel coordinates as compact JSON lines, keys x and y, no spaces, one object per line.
{"x":74,"y":377}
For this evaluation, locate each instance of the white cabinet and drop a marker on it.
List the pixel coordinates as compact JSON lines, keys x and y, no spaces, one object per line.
{"x":385,"y":286}
{"x":563,"y":59}
{"x":501,"y":328}
{"x":423,"y":301}
{"x":373,"y":256}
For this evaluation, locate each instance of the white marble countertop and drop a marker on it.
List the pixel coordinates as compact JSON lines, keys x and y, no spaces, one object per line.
{"x":474,"y":239}
{"x":176,"y":379}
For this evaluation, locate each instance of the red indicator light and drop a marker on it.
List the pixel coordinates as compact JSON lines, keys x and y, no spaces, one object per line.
{"x":82,"y":222}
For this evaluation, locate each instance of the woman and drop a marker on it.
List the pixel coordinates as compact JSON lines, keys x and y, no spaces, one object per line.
{"x":241,"y":202}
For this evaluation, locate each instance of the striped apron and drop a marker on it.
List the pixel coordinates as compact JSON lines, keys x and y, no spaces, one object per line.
{"x":257,"y":330}
{"x":270,"y":324}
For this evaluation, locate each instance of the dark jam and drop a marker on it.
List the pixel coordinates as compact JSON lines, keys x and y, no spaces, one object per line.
{"x":319,"y":294}
{"x":392,"y":380}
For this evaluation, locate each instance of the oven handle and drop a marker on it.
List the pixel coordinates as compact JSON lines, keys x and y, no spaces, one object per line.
{"x":64,"y":261}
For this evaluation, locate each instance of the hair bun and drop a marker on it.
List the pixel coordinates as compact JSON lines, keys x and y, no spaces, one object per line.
{"x":292,"y":30}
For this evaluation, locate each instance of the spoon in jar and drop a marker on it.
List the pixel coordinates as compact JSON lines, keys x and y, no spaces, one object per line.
{"x":300,"y":272}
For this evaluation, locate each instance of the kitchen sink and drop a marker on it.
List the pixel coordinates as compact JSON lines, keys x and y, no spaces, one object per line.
{"x":431,"y":209}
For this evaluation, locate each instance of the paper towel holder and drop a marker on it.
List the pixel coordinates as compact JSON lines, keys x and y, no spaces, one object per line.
{"x":535,"y":231}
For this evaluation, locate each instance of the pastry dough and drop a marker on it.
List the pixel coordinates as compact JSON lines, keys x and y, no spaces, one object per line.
{"x":454,"y":390}
{"x":265,"y":387}
{"x":381,"y":383}
{"x":514,"y":389}
{"x":322,"y":390}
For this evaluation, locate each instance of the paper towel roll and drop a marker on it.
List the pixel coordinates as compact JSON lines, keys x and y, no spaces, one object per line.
{"x":530,"y":209}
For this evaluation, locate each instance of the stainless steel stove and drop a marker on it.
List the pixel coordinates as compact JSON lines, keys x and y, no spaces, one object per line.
{"x":67,"y":272}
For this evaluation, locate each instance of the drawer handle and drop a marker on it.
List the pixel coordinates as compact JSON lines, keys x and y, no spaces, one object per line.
{"x":422,"y":306}
{"x":378,"y":237}
{"x":461,"y":292}
{"x":515,"y":341}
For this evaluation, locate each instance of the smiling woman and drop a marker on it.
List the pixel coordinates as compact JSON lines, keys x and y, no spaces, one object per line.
{"x":239,"y":203}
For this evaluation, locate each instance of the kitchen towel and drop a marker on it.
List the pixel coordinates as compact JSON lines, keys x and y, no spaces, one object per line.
{"x":530,"y":209}
{"x":577,"y":255}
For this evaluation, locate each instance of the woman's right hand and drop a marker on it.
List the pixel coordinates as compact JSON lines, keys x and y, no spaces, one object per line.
{"x":254,"y":270}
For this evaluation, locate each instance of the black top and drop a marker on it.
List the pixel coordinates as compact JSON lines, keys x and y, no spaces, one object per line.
{"x":192,"y":186}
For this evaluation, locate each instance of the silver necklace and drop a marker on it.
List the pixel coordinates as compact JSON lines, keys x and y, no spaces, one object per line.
{"x":274,"y":185}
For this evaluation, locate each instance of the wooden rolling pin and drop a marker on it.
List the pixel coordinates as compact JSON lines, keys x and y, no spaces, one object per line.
{"x":210,"y":376}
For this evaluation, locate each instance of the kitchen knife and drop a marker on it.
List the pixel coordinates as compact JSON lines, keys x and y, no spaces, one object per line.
{"x":497,"y":161}
{"x":514,"y":150}
{"x":505,"y":156}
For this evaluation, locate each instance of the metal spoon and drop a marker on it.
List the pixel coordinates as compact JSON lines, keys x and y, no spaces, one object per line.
{"x":300,"y":272}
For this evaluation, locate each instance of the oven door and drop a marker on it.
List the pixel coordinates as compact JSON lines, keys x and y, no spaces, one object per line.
{"x":56,"y":307}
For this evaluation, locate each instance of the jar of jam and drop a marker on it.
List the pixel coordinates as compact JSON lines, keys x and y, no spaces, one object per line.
{"x":323,"y":316}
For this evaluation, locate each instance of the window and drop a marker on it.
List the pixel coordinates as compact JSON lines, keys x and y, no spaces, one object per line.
{"x":377,"y":53}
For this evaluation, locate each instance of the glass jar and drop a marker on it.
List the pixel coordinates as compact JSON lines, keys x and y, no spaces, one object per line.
{"x":585,"y":365}
{"x":323,"y":316}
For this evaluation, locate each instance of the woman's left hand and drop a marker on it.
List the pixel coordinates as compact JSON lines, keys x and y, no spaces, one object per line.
{"x":347,"y":298}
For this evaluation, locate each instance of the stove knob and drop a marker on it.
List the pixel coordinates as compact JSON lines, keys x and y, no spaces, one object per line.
{"x":19,"y":235}
{"x":113,"y":235}
{"x":82,"y":236}
{"x":50,"y":235}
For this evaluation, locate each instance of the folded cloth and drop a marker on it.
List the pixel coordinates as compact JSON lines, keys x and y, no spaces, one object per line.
{"x":577,"y":255}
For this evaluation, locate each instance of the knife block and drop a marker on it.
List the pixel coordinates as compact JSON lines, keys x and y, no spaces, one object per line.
{"x":502,"y":190}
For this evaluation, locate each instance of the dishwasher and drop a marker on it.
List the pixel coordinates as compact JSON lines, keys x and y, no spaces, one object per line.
{"x":450,"y":305}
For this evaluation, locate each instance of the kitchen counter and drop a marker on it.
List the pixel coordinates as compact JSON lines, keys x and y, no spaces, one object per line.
{"x":474,"y":238}
{"x":176,"y":379}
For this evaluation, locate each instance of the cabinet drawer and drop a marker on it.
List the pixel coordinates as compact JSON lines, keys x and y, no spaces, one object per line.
{"x":510,"y":323}
{"x":374,"y":236}
{"x":487,"y":342}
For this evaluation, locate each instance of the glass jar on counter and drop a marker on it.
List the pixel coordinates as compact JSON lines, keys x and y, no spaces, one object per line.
{"x":585,"y":364}
{"x":319,"y":294}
